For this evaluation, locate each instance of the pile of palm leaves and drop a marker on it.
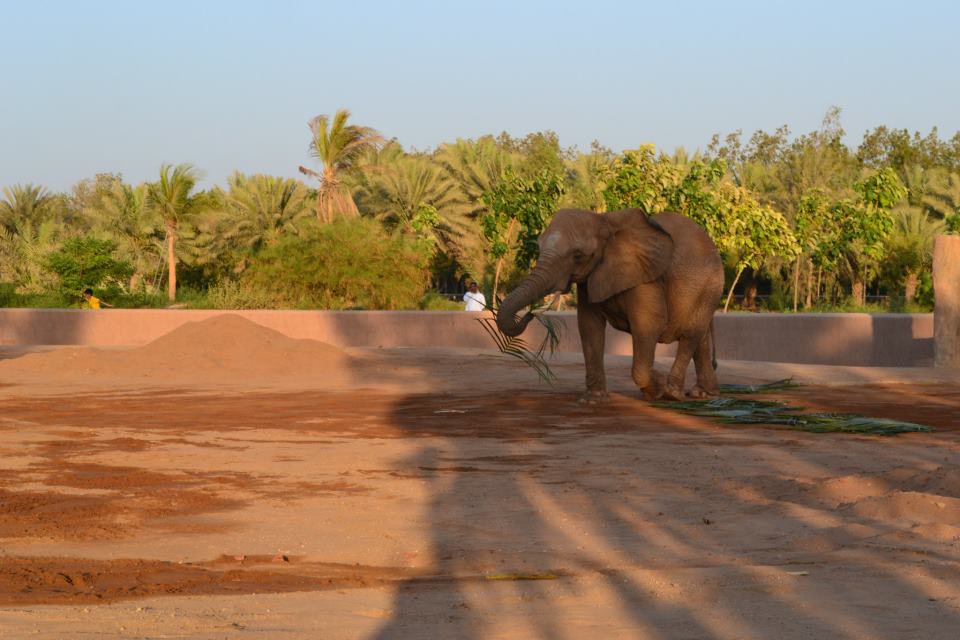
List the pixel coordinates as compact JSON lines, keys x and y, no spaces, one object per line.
{"x":772,"y":412}
{"x":516,"y":347}
{"x":769,"y":387}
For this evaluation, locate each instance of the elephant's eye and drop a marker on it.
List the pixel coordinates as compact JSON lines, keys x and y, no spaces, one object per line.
{"x":578,"y":255}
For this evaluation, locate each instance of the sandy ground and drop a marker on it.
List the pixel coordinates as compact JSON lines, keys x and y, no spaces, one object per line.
{"x":228,"y":482}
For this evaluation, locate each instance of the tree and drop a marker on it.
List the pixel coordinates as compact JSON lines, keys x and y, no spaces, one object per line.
{"x":86,"y":262}
{"x":22,"y":253}
{"x":346,"y":264}
{"x":24,"y":202}
{"x":942,"y":196}
{"x":909,"y":249}
{"x":338,"y":146}
{"x":258,"y":210}
{"x":123,"y":215}
{"x":172,"y":199}
{"x":520,"y":208}
{"x":585,"y":183}
{"x":748,"y":232}
{"x":415,"y":195}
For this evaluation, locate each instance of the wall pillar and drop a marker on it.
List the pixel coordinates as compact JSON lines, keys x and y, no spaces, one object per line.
{"x":946,"y":313}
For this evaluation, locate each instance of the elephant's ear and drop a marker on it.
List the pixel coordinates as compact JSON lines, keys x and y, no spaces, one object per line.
{"x":638,"y":251}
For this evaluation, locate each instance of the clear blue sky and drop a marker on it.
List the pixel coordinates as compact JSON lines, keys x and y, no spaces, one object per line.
{"x":125,"y":86}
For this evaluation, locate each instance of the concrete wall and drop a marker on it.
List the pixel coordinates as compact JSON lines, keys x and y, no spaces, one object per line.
{"x":946,"y":287}
{"x":842,"y":339}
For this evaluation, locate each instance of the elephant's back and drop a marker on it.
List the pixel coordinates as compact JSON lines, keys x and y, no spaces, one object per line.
{"x":694,"y":281}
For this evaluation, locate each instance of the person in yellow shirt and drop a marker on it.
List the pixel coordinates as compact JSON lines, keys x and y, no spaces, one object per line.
{"x":93,"y":301}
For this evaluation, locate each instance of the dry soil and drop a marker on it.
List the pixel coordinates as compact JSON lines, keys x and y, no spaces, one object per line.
{"x":226,"y":481}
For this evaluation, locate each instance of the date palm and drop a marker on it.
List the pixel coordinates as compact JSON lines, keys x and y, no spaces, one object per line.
{"x":23,"y":250}
{"x":338,"y":146}
{"x":942,"y":196}
{"x":173,"y":200}
{"x":24,"y":202}
{"x":413,"y":194}
{"x":123,"y":215}
{"x":258,"y":210}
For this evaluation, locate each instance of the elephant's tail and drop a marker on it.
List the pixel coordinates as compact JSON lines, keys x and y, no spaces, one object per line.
{"x":713,"y":345}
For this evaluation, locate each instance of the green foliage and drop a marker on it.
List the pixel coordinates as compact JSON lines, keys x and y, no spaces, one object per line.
{"x":528,"y":204}
{"x":475,"y":208}
{"x":347,"y":264}
{"x":953,"y":223}
{"x":433,"y":301}
{"x":338,"y":147}
{"x":86,"y":262}
{"x":637,"y":180}
{"x":772,"y":412}
{"x":233,"y":294}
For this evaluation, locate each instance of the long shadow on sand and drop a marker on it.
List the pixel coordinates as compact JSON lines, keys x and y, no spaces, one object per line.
{"x":629,"y":521}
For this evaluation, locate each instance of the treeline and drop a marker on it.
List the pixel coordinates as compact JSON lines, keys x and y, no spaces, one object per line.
{"x":806,"y":219}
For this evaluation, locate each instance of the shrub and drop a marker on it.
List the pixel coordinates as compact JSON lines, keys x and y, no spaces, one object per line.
{"x":433,"y":301}
{"x":346,"y":264}
{"x":86,"y":262}
{"x":230,"y":294}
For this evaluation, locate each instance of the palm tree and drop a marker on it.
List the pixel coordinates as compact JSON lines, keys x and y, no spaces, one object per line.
{"x":172,"y":200}
{"x":123,"y":215}
{"x":259,"y":209}
{"x":476,"y":166}
{"x":413,"y":194}
{"x":910,"y":245}
{"x":942,"y":196}
{"x":23,"y":202}
{"x":338,"y":146}
{"x":23,"y":251}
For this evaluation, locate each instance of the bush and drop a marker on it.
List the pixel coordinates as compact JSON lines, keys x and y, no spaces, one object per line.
{"x":230,"y":294}
{"x":86,"y":262}
{"x":8,"y":293}
{"x":433,"y":301}
{"x":347,"y":264}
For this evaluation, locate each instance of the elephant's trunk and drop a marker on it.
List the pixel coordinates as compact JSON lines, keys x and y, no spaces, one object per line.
{"x":539,"y":283}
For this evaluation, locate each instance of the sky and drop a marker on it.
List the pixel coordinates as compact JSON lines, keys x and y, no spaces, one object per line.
{"x":102,"y":86}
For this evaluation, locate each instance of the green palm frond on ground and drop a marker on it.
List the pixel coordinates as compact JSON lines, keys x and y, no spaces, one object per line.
{"x":769,"y":387}
{"x":774,"y":412}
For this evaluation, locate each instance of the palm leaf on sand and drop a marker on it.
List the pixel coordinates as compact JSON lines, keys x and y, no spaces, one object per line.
{"x":773,"y":412}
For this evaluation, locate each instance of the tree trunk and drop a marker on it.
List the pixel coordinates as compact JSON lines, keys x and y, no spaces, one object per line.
{"x":171,"y":262}
{"x":859,"y":292}
{"x":796,"y":284}
{"x":819,"y":282}
{"x":750,"y":295}
{"x":809,"y":287}
{"x":732,"y":287}
{"x":910,"y":287}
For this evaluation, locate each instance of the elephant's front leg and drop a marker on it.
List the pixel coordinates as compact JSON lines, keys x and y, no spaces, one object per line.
{"x":647,"y":314}
{"x":593,"y":334}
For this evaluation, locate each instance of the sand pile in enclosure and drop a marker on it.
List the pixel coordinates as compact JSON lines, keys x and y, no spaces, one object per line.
{"x":224,"y":348}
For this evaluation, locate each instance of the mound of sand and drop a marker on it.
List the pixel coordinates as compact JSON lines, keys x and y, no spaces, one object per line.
{"x":222,"y":349}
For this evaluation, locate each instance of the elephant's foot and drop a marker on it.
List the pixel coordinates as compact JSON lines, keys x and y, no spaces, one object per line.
{"x":594,"y":397}
{"x":673,"y":391}
{"x":700,"y":393}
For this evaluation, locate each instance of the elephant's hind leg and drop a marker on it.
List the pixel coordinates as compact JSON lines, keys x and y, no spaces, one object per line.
{"x":707,"y":385}
{"x":678,"y":373}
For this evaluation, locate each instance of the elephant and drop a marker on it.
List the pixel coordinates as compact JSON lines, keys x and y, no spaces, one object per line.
{"x":659,"y":278}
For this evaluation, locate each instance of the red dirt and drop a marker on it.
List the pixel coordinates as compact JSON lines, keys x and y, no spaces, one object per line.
{"x":429,"y":510}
